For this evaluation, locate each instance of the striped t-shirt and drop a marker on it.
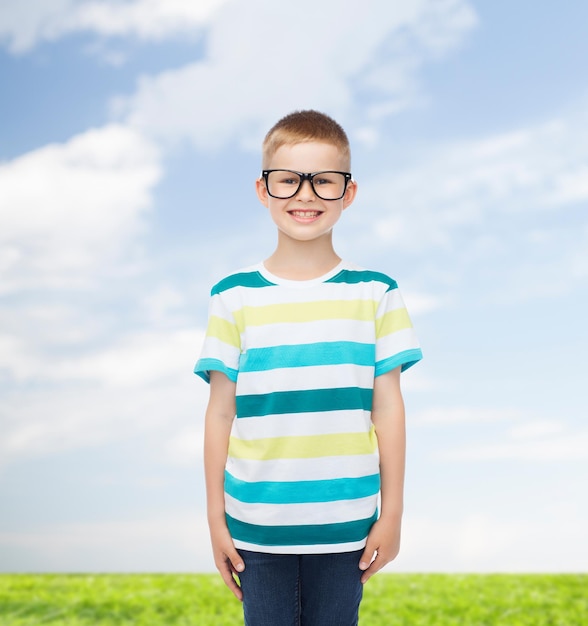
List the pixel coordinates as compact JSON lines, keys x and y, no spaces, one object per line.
{"x":302,"y":473}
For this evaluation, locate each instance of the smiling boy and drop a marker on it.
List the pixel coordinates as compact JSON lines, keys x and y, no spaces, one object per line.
{"x":304,"y":429}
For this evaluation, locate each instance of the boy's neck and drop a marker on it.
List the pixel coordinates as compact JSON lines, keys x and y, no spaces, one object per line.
{"x":302,"y":260}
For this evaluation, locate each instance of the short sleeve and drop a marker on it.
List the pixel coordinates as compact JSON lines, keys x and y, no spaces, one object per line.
{"x":221,"y":349}
{"x":396,"y":341}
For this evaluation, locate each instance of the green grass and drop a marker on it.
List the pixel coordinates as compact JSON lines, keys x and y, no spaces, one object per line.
{"x":202,"y":600}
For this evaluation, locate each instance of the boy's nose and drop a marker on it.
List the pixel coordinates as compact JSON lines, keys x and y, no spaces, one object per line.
{"x":306,"y":191}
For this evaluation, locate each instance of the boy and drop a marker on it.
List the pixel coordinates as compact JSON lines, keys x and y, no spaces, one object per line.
{"x":306,"y":351}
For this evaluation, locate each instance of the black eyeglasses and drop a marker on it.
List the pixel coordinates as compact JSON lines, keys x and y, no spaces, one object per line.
{"x":284,"y":184}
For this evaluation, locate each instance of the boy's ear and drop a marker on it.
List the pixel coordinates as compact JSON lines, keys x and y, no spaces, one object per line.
{"x":350,"y":193}
{"x":261,"y":190}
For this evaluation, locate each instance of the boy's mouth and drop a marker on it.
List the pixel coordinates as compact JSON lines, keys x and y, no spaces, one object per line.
{"x":306,"y":214}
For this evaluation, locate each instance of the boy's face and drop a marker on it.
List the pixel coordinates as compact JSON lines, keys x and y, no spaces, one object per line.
{"x":305,"y":216}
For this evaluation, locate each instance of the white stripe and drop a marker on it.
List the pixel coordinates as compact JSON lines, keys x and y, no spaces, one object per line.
{"x":390,"y":302}
{"x":303,"y":514}
{"x":310,"y":332}
{"x":263,"y":296}
{"x":301,"y":424}
{"x":399,"y":341}
{"x":326,"y":548}
{"x":214,"y":348}
{"x":299,"y":378}
{"x":218,"y":307}
{"x":323,"y":468}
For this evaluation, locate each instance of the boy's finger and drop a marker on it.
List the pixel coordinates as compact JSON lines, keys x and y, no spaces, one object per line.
{"x":236,"y":561}
{"x":367,"y":557}
{"x":375,"y":566}
{"x":227,"y":575}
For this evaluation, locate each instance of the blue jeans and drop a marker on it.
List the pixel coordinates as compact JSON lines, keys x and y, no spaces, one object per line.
{"x":301,"y":589}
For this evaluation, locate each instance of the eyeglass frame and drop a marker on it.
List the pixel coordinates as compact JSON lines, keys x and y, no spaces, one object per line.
{"x":309,"y":176}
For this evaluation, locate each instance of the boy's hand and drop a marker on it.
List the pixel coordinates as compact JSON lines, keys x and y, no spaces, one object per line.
{"x":227,"y":560}
{"x":384,"y":542}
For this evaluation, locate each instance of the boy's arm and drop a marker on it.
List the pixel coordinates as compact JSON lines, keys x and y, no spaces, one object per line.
{"x":388,"y":419}
{"x":217,"y":429}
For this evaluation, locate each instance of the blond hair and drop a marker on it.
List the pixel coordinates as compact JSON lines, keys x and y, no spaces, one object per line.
{"x":303,"y":126}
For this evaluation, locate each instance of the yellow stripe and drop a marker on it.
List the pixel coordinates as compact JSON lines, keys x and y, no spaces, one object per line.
{"x":223,"y":330}
{"x":305,"y":447}
{"x":392,"y":321}
{"x":361,"y":310}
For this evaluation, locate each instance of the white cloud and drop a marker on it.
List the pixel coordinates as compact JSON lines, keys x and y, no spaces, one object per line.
{"x":560,"y":261}
{"x":263,"y":60}
{"x":564,"y":447}
{"x":500,"y":217}
{"x":422,"y":303}
{"x":510,"y":435}
{"x":16,"y":360}
{"x":523,"y":439}
{"x":539,"y":428}
{"x":69,"y":209}
{"x":148,"y":19}
{"x":478,"y":542}
{"x":177,"y":541}
{"x":515,"y":177}
{"x":138,"y":360}
{"x":185,"y":448}
{"x":23,"y":25}
{"x":164,"y":304}
{"x":415,"y":381}
{"x":464,"y":414}
{"x":141,"y":385}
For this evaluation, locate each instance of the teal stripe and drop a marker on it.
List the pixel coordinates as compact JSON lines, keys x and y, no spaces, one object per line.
{"x":304,"y":491}
{"x":311,"y":534}
{"x":305,"y":401}
{"x":204,"y":367}
{"x":352,"y":277}
{"x":406,"y":359}
{"x":308,"y":354}
{"x":244,"y":279}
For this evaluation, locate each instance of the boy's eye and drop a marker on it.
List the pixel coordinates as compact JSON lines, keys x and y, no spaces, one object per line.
{"x":285,"y":178}
{"x":323,"y":180}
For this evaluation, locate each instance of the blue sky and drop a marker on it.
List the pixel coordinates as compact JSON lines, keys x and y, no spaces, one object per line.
{"x":129,"y":143}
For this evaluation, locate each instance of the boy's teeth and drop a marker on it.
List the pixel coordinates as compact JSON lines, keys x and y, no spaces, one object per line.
{"x":305,"y":213}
